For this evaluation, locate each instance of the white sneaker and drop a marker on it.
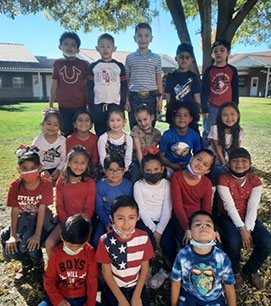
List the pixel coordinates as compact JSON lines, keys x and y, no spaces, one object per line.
{"x":157,"y":280}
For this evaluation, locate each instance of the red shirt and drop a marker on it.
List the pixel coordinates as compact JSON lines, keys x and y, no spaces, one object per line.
{"x":72,"y":276}
{"x":30,"y":200}
{"x":72,"y":199}
{"x":90,"y":144}
{"x":72,"y":80}
{"x":187,"y":199}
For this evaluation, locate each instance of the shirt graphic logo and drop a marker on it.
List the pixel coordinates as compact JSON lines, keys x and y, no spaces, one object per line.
{"x":220,"y":83}
{"x":51,"y":154}
{"x":70,"y":79}
{"x":202,"y":278}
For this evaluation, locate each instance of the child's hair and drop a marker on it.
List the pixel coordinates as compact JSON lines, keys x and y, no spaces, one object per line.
{"x":80,"y":113}
{"x":89,"y":170}
{"x":113,"y":158}
{"x":123,"y":201}
{"x":191,"y":106}
{"x":142,"y":108}
{"x":151,"y":157}
{"x":185,"y":48}
{"x":52,"y":113}
{"x":143,"y":25}
{"x":235,"y":129}
{"x":222,"y":42}
{"x":71,"y":35}
{"x":239,"y":152}
{"x":29,"y":156}
{"x":200,"y":212}
{"x":106,"y":36}
{"x":211,"y":153}
{"x":76,"y":229}
{"x":115,"y":110}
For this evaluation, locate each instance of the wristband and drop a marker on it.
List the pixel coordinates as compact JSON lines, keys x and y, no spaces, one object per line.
{"x":241,"y":228}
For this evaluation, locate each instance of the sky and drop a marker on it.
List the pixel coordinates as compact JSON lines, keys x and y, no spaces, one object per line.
{"x":41,"y":36}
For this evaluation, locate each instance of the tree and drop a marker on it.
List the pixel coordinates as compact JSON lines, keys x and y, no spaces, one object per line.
{"x":246,"y":21}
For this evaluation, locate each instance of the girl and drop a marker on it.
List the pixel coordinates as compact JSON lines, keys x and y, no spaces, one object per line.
{"x":191,"y":190}
{"x":178,"y":142}
{"x":109,"y":188}
{"x":82,"y":136}
{"x":52,"y":145}
{"x":115,"y":140}
{"x":75,"y":192}
{"x":225,"y":136}
{"x":240,"y":193}
{"x":28,"y":197}
{"x":144,"y":135}
{"x":152,"y":194}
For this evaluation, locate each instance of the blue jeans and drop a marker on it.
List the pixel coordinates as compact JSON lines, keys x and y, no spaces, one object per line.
{"x":207,"y":123}
{"x":135,"y":172}
{"x":74,"y":301}
{"x":216,"y":172}
{"x":232,"y":244}
{"x":135,"y":102}
{"x":187,"y":299}
{"x":67,"y":115}
{"x":98,"y":230}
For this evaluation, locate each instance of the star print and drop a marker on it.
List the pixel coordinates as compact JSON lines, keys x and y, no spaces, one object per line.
{"x":107,"y":248}
{"x":122,"y":265}
{"x":122,"y":249}
{"x":113,"y":240}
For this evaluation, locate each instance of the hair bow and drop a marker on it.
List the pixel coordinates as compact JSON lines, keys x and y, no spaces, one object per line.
{"x":50,"y":109}
{"x":153,"y":150}
{"x":23,"y":149}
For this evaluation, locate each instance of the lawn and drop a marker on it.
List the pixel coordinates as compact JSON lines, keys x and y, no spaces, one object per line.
{"x":20,"y":123}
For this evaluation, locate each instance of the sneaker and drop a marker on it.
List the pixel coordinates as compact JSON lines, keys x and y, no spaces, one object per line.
{"x":257,"y":281}
{"x":239,"y":281}
{"x":157,"y":280}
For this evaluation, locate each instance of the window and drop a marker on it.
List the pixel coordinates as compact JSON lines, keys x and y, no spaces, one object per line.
{"x":18,"y":82}
{"x":242,"y":83}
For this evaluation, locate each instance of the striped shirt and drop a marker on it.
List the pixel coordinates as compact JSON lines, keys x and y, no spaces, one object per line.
{"x":125,"y":255}
{"x":143,"y":71}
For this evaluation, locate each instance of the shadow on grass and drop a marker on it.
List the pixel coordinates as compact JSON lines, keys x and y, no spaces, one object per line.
{"x":263,"y":174}
{"x":9,"y":108}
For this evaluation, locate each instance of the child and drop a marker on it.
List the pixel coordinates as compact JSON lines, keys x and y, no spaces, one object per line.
{"x":144,"y":135}
{"x":75,"y":192}
{"x":71,"y":277}
{"x":69,"y":81}
{"x":178,"y":142}
{"x":153,"y":197}
{"x":182,"y":84}
{"x":240,"y":194}
{"x":52,"y":146}
{"x":219,"y":85}
{"x":107,"y":84}
{"x":225,"y":135}
{"x":28,"y":198}
{"x":124,"y":253}
{"x":82,"y":136}
{"x":109,"y":188}
{"x":144,"y":72}
{"x":201,"y":270}
{"x":115,"y":140}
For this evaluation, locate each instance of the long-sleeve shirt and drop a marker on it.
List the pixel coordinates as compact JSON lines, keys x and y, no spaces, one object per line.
{"x":72,"y":199}
{"x":187,"y":199}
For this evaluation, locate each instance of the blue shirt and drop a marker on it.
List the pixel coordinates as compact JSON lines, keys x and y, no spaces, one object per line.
{"x":177,"y":147}
{"x":202,"y":276}
{"x":106,"y":194}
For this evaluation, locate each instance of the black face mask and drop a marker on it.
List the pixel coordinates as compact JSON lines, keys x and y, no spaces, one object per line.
{"x":70,"y":172}
{"x":153,"y":177}
{"x":239,"y":175}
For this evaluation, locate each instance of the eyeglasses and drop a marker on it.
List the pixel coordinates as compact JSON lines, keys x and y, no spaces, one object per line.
{"x":119,"y":170}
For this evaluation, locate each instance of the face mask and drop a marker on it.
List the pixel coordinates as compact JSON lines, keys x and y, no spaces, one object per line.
{"x":30,"y":176}
{"x":192,"y":173}
{"x":153,"y":177}
{"x":202,"y":245}
{"x":71,"y":252}
{"x":117,"y":231}
{"x":69,"y":57}
{"x":239,"y":175}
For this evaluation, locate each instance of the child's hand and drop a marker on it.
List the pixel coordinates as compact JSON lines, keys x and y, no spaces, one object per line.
{"x":11,"y":244}
{"x":205,"y":115}
{"x":64,"y":303}
{"x":33,"y":242}
{"x":159,"y":105}
{"x":136,"y":301}
{"x":55,"y":174}
{"x":46,"y":174}
{"x":128,"y":106}
{"x":246,"y":238}
{"x":157,"y":238}
{"x":187,"y":237}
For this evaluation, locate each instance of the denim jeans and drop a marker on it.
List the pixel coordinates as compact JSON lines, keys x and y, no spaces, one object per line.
{"x":232,"y":244}
{"x":73,"y":301}
{"x":67,"y":115}
{"x":207,"y":123}
{"x":135,"y":172}
{"x":98,"y":230}
{"x":135,"y":102}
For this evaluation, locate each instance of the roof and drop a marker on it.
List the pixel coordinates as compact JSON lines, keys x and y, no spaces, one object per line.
{"x":16,"y":53}
{"x":251,"y":59}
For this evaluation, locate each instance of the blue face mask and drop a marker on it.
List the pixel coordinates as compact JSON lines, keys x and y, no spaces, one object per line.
{"x":191,"y":172}
{"x":117,"y":231}
{"x":202,"y":245}
{"x":71,"y":252}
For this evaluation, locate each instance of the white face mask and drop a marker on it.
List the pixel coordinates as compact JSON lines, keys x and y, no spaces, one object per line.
{"x":69,"y":56}
{"x":71,"y":252}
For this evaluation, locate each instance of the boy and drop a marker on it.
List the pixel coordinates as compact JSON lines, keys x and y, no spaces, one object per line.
{"x":219,"y":85}
{"x":107,"y":84}
{"x":124,"y":253}
{"x":72,"y":273}
{"x":69,"y":81}
{"x":182,"y":84}
{"x":201,"y":268}
{"x":144,"y":70}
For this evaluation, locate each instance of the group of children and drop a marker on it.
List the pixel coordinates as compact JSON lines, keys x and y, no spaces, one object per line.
{"x":120,"y":196}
